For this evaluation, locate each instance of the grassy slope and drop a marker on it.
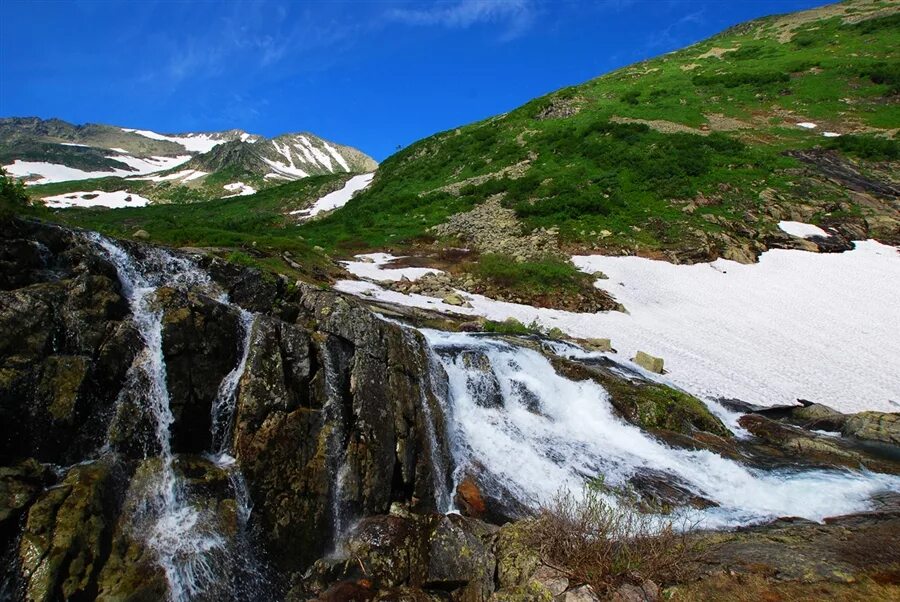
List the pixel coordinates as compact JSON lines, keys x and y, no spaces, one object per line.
{"x":253,"y":229}
{"x":586,"y":174}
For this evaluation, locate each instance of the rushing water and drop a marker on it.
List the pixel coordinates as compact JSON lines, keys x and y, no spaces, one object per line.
{"x":183,"y":535}
{"x":548,"y":434}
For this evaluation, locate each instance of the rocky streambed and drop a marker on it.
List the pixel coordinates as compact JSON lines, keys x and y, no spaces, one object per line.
{"x":177,"y":427}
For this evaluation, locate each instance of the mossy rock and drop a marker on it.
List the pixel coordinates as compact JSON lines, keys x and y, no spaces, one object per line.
{"x":646,"y":404}
{"x":61,"y":380}
{"x":66,"y":533}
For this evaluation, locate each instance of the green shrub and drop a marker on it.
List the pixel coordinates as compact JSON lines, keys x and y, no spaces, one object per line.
{"x":867,"y":147}
{"x":13,"y":200}
{"x":748,"y":78}
{"x":511,"y":327}
{"x":543,"y":276}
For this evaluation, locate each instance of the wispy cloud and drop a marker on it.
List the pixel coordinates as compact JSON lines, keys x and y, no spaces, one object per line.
{"x":514,"y":16}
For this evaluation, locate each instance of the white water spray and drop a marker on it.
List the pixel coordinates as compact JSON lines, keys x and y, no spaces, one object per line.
{"x":186,"y":543}
{"x":553,"y":434}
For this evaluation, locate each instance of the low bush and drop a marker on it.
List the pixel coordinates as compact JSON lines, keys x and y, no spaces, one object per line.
{"x":867,"y":147}
{"x":607,"y":545}
{"x":541,"y":276}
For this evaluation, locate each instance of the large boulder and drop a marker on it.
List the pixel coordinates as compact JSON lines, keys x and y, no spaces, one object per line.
{"x":66,"y":533}
{"x":201,"y":343}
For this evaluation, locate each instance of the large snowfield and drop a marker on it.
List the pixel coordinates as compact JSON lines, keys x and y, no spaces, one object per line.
{"x":796,"y":325}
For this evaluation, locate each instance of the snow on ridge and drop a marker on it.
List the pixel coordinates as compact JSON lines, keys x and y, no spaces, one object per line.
{"x":337,"y":156}
{"x":321,"y":157}
{"x":285,"y":171}
{"x":97,"y":198}
{"x":802,"y":230}
{"x":338,"y":198}
{"x":74,"y":144}
{"x":195,"y":143}
{"x":239,"y":189}
{"x":796,"y":325}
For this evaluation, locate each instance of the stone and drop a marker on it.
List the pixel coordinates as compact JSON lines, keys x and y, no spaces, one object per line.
{"x":141,"y":235}
{"x":583,"y":593}
{"x":600,"y":345}
{"x":649,"y":362}
{"x":819,"y":417}
{"x":880,"y":427}
{"x":469,"y":499}
{"x":453,"y":299}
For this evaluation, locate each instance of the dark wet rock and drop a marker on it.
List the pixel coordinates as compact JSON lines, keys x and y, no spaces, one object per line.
{"x":478,"y":495}
{"x":807,"y":447}
{"x":19,"y":487}
{"x":449,"y":555}
{"x":835,"y":167}
{"x":201,"y":342}
{"x":660,"y":492}
{"x":481,"y":380}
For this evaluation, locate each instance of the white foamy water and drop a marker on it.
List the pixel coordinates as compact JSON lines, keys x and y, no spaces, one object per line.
{"x":182,"y":535}
{"x":551,"y":434}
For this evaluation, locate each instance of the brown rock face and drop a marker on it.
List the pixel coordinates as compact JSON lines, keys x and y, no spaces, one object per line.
{"x":468,"y":497}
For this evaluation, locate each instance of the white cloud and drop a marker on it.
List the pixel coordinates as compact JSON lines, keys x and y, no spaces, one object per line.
{"x":515,"y":16}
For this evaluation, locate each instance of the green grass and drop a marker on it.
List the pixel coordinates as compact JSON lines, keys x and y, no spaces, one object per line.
{"x":545,"y":276}
{"x":585,"y":174}
{"x":254,"y":228}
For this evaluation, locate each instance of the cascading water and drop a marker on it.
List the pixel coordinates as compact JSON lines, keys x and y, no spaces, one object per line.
{"x":185,"y":540}
{"x":545,"y":434}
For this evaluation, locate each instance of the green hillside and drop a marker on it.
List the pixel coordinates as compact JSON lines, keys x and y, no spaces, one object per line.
{"x":690,"y":155}
{"x":254,"y":230}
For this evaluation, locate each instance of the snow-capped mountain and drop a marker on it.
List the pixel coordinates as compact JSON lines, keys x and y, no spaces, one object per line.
{"x":48,"y":151}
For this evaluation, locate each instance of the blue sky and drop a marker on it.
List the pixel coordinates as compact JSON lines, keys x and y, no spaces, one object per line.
{"x":372,"y":74}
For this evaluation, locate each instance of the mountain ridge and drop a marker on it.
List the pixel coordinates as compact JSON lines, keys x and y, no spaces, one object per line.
{"x":182,"y":167}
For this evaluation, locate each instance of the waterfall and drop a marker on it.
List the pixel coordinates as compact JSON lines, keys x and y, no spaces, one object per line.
{"x":223,"y":407}
{"x":336,"y":453}
{"x":540,"y":433}
{"x":183,"y":535}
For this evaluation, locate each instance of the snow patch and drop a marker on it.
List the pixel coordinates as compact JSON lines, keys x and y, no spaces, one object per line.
{"x":807,"y":125}
{"x":74,"y":144}
{"x":802,"y":230}
{"x":371,"y":267}
{"x":797,"y":325}
{"x":831,"y":134}
{"x":54,"y":172}
{"x":239,"y":189}
{"x":96,"y":198}
{"x":338,"y":198}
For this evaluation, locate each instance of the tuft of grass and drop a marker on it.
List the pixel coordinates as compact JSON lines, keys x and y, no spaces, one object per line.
{"x":543,"y":276}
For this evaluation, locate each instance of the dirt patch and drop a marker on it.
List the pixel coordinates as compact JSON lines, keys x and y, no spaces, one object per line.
{"x":661,"y":125}
{"x":716,"y":52}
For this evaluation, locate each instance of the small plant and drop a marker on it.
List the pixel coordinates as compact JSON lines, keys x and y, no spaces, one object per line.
{"x":511,"y":327}
{"x":606,"y":545}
